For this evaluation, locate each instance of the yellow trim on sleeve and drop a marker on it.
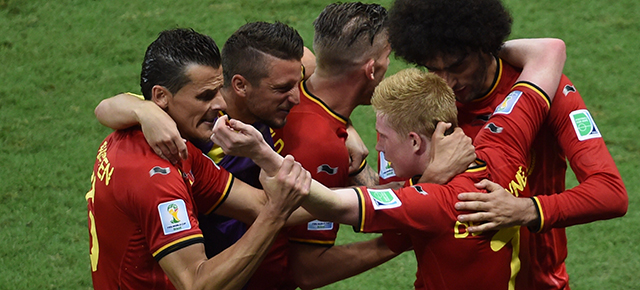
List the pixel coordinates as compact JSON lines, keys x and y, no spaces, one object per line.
{"x":535,"y":89}
{"x":540,"y":213}
{"x":224,"y":195}
{"x":176,"y":242}
{"x":362,"y":208}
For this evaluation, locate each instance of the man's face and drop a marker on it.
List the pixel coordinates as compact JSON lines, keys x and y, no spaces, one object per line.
{"x":271,"y":99}
{"x":397,"y":149}
{"x":195,"y":106}
{"x":466,"y":74}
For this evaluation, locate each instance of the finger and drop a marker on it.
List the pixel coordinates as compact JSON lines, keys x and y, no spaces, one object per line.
{"x":483,"y":228}
{"x":472,"y":196}
{"x":285,"y":168}
{"x":476,"y":217}
{"x":165,"y":153}
{"x":220,"y":122}
{"x":488,"y":185}
{"x":471,"y":206}
{"x":182,"y":149}
{"x":440,"y":129}
{"x":237,"y":125}
{"x":173,"y":151}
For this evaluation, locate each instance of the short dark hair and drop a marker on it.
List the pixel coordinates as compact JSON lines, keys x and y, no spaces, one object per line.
{"x":420,"y":31}
{"x":243,"y":53}
{"x":346,"y":31}
{"x":168,"y":57}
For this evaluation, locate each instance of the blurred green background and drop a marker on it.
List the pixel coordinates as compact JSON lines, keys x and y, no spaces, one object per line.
{"x":58,"y":59}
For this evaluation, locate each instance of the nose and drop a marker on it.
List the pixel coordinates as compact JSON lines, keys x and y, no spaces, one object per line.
{"x":218,"y":103}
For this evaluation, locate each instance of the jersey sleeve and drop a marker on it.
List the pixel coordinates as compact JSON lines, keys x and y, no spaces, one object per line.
{"x":212,"y":183}
{"x":514,"y":125}
{"x":601,"y":193}
{"x":424,"y":208}
{"x":160,"y":201}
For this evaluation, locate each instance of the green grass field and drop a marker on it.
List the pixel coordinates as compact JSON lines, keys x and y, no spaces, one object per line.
{"x":60,"y":58}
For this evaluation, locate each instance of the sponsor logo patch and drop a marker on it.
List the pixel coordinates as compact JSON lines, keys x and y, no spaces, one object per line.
{"x":317,"y":225}
{"x":159,"y":170}
{"x":384,"y":198}
{"x":509,"y":103}
{"x":568,"y":89}
{"x":327,"y":169}
{"x":174,"y":217}
{"x":584,"y":125}
{"x":385,"y":168}
{"x":494,"y":128}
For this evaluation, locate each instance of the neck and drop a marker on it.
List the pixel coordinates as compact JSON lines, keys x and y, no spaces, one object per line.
{"x":342,"y":93}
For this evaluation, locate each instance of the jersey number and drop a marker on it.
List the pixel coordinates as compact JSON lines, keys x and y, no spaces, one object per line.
{"x":95,"y":248}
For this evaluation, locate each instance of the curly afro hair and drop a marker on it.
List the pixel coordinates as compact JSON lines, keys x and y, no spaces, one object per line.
{"x":421,"y":30}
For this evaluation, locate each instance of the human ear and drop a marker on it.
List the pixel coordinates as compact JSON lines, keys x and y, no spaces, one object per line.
{"x":370,"y":69}
{"x":160,"y":95}
{"x":239,"y":85}
{"x":419,"y":143}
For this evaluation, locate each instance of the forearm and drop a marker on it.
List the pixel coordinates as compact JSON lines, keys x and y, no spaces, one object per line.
{"x":542,"y":61}
{"x":339,"y":206}
{"x":367,"y":177}
{"x":267,"y":159}
{"x":232,"y":268}
{"x":317,"y":266}
{"x":121,"y":111}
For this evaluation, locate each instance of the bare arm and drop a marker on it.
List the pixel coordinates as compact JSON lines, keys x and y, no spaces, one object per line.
{"x":316,"y":266}
{"x":339,"y":205}
{"x":542,"y":61}
{"x":358,"y":151}
{"x":188,"y":268}
{"x":125,"y":110}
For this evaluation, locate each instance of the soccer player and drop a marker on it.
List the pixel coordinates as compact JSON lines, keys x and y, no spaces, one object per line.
{"x":459,"y":40}
{"x":408,"y":105}
{"x":143,"y":209}
{"x":352,"y":56}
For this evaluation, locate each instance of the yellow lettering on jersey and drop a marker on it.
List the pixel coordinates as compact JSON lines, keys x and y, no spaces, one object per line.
{"x":105,"y":170}
{"x":519,"y":183}
{"x":461,"y":234}
{"x":95,"y":248}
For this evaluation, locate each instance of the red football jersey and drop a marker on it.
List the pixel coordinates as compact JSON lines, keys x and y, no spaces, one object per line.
{"x":142,"y":208}
{"x":448,"y":256}
{"x":570,"y":131}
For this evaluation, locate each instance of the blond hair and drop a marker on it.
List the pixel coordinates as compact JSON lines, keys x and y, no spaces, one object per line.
{"x":415,"y":101}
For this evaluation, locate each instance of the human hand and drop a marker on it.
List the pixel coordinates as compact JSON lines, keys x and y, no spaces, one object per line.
{"x":237,"y":138}
{"x":286,"y":189}
{"x":450,"y":154}
{"x":494,"y":210}
{"x":358,"y":151}
{"x":162,"y":134}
